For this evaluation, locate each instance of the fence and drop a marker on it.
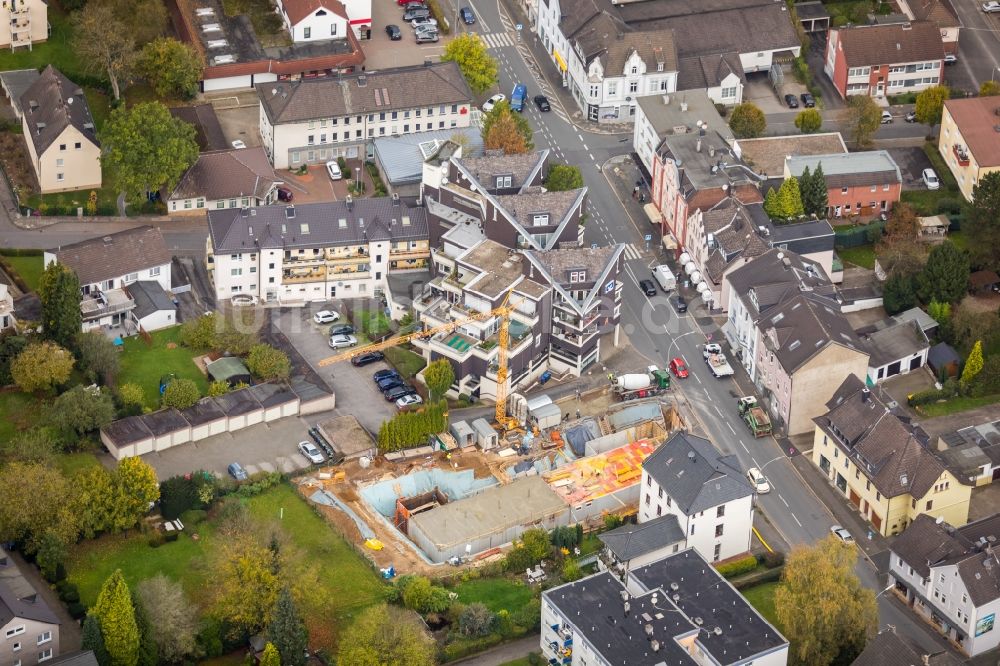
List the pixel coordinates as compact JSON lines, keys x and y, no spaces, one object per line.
{"x":859,"y":236}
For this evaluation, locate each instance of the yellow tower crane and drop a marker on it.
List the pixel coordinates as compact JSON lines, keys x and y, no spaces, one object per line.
{"x":503,"y":420}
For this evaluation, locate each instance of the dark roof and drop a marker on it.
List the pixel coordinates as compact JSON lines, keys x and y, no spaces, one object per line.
{"x":868,"y":45}
{"x":307,"y":390}
{"x":204,"y":411}
{"x":226,"y":368}
{"x":773,"y":277}
{"x":942,"y":354}
{"x":708,"y":71}
{"x":51,"y":104}
{"x":126,"y":431}
{"x":868,"y":167}
{"x":695,"y":474}
{"x":29,"y":607}
{"x":164,"y":421}
{"x":209,"y":134}
{"x":228,"y":173}
{"x":315,"y":225}
{"x":813,"y":9}
{"x":889,"y":649}
{"x":743,"y":29}
{"x":121,"y":253}
{"x":980,"y":279}
{"x":630,"y":541}
{"x":272,"y":395}
{"x":608,"y":40}
{"x":387,"y":90}
{"x":15,"y":82}
{"x":806,"y":237}
{"x":149,"y":297}
{"x":892,"y":343}
{"x":236,"y":403}
{"x":524,"y":169}
{"x":82,"y":658}
{"x":557,"y":205}
{"x":701,"y":593}
{"x":800,"y":327}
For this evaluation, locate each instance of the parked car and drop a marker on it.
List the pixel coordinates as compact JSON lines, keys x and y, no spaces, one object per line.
{"x":493,"y":101}
{"x":842,"y":534}
{"x":542,"y":102}
{"x":930,"y":179}
{"x":468,"y":18}
{"x":409,"y":400}
{"x":326,"y":317}
{"x":758,"y":481}
{"x":341,"y":341}
{"x":991,"y":7}
{"x":389,"y":383}
{"x":342,"y":329}
{"x":382,"y":374}
{"x":237,"y":472}
{"x":417,"y":12}
{"x":395,"y":34}
{"x":239,"y":144}
{"x":395,"y":394}
{"x":333,"y":169}
{"x":682,"y":305}
{"x":886,"y":117}
{"x":808,"y":100}
{"x":309,"y":450}
{"x":791,"y":101}
{"x":678,"y":367}
{"x":424,"y":36}
{"x":421,"y":22}
{"x":647,"y":287}
{"x":413,"y":4}
{"x":711,"y":348}
{"x":950,"y":58}
{"x":365,"y":359}
{"x":426,"y":29}
{"x":910,"y":117}
{"x":285,"y":194}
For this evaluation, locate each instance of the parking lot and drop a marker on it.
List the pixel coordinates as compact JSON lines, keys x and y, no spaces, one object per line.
{"x":911,"y":162}
{"x":760,"y":91}
{"x":381,"y":52}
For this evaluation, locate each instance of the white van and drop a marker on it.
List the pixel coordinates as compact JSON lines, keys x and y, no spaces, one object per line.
{"x":665,"y":278}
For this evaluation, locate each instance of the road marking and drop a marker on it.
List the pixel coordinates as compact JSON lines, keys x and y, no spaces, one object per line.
{"x":706,"y":393}
{"x":496,"y":40}
{"x":730,"y":428}
{"x":696,"y":377}
{"x":796,"y":519}
{"x":744,"y":447}
{"x":783,"y":501}
{"x":591,"y":156}
{"x":630,"y":250}
{"x":718,"y":411}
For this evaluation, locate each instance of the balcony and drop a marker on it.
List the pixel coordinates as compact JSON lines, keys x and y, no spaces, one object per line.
{"x":105,"y":303}
{"x":416,"y":263}
{"x":299,"y":275}
{"x":573,"y":339}
{"x":408,"y":253}
{"x":303,"y":260}
{"x":346,"y":254}
{"x":962,"y":155}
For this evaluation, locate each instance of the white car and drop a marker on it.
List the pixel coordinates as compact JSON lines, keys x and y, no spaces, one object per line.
{"x":842,"y":534}
{"x":340,"y":341}
{"x":991,"y":7}
{"x":326,"y":317}
{"x":493,"y":101}
{"x":758,"y":481}
{"x":711,"y":348}
{"x":424,"y":21}
{"x":333,"y":169}
{"x":239,"y":145}
{"x":409,"y":401}
{"x":309,"y":450}
{"x":930,"y":179}
{"x":886,"y":117}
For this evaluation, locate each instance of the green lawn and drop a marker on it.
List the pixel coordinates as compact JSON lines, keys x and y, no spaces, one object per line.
{"x":523,"y":661}
{"x":57,"y":51}
{"x":497,"y":593}
{"x":957,"y":404}
{"x":29,"y":268}
{"x":406,"y":362}
{"x":863,"y":255}
{"x":18,"y":411}
{"x":145,"y":365}
{"x":67,"y":203}
{"x":72,"y":464}
{"x":925,"y":202}
{"x":347,"y":583}
{"x":761,"y":597}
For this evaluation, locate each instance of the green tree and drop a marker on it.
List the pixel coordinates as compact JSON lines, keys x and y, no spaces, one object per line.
{"x":98,"y":356}
{"x":145,"y":149}
{"x":771,"y":203}
{"x":59,"y":293}
{"x":814,"y":193}
{"x":266,"y":362}
{"x":946,"y":276}
{"x":930,"y":104}
{"x":982,"y":226}
{"x":247,"y":584}
{"x":218,"y":387}
{"x":790,"y":198}
{"x":439,"y":376}
{"x":989,"y":89}
{"x":95,"y":500}
{"x":51,"y":554}
{"x":10,"y":347}
{"x":236,"y":341}
{"x":418,"y":594}
{"x":973,"y":363}
{"x":171,"y":67}
{"x":809,"y":121}
{"x":137,"y":488}
{"x":41,"y":366}
{"x":180,"y":394}
{"x":35,"y":445}
{"x":386,"y":635}
{"x":563,"y":177}
{"x":864,"y":117}
{"x":287,"y":631}
{"x":470,"y":53}
{"x":149,"y":651}
{"x":103,"y":45}
{"x":271,"y":657}
{"x":939,"y":312}
{"x":174,"y":620}
{"x":505,"y":130}
{"x":898,"y":294}
{"x":131,"y":395}
{"x":825,"y":612}
{"x":476,"y":620}
{"x":571,"y":570}
{"x":201,"y":333}
{"x":81,"y":410}
{"x":747,"y":121}
{"x":92,"y":639}
{"x":116,"y":616}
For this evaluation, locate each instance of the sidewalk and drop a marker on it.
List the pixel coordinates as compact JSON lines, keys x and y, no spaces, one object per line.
{"x":504,"y":652}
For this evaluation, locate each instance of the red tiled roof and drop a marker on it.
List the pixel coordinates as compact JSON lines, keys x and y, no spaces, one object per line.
{"x":296,"y":10}
{"x":873,"y":45}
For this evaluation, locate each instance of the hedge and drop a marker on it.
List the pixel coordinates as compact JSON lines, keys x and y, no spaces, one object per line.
{"x":758,"y":577}
{"x":737,"y":567}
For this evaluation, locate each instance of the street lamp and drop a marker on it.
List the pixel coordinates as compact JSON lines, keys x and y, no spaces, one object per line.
{"x":993,"y":72}
{"x":884,"y":591}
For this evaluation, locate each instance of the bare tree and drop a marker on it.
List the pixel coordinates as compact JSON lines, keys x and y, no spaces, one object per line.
{"x":173,"y":619}
{"x":104,"y":45}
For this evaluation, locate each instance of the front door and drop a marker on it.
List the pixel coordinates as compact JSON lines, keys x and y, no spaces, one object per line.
{"x":880,"y":89}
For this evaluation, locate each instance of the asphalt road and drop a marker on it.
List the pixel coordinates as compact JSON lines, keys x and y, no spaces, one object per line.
{"x":978,"y":43}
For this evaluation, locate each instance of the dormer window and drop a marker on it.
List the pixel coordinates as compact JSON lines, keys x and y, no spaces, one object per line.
{"x":504,"y":181}
{"x":540,"y":220}
{"x":577,"y":276}
{"x":635,"y":70}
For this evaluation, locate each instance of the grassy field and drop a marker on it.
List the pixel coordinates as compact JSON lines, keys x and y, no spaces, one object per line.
{"x":958,"y":404}
{"x":145,"y":365}
{"x":72,"y":464}
{"x":346,"y":583}
{"x":406,"y":362}
{"x":66,"y":203}
{"x":18,"y":411}
{"x":496,"y":593}
{"x":523,"y":661}
{"x":29,"y":268}
{"x":761,"y":597}
{"x":863,"y":255}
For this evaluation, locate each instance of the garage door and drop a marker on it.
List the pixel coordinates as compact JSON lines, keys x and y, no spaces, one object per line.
{"x":893,"y":369}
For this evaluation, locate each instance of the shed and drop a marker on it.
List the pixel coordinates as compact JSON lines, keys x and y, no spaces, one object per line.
{"x":154,"y":309}
{"x":934,"y":227}
{"x":547,"y":416}
{"x":206,"y":419}
{"x":229,"y":369}
{"x":314,"y":395}
{"x":926,"y":323}
{"x":127,"y":437}
{"x":277,"y":400}
{"x":241,"y":407}
{"x":347,"y":437}
{"x":463,"y":434}
{"x":486,"y":436}
{"x":982,"y":281}
{"x":944,"y":360}
{"x":538,"y":401}
{"x":169,"y":428}
{"x":896,"y":350}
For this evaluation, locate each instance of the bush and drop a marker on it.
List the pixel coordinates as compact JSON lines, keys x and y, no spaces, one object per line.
{"x":68,"y":592}
{"x":179,"y":494}
{"x":476,"y":620}
{"x":258,"y":483}
{"x":443,"y":23}
{"x":76,"y":610}
{"x":193,"y":517}
{"x":464,"y":648}
{"x":949,"y":390}
{"x":156,"y":539}
{"x":771,"y":559}
{"x":170,"y":537}
{"x":949,"y":206}
{"x":210,"y":638}
{"x":737,"y":567}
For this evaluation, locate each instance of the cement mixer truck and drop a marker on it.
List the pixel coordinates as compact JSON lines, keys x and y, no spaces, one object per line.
{"x":638,"y":385}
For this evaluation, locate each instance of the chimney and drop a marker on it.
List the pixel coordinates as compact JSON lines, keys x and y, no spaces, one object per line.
{"x":395,"y":199}
{"x":865,"y":395}
{"x":684,"y":106}
{"x":697,"y":145}
{"x":349,"y":202}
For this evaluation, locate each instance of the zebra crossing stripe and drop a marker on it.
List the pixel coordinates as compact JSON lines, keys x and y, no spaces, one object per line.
{"x":631,"y":252}
{"x":496,"y":40}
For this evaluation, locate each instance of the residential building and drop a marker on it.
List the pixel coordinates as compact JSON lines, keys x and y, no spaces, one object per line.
{"x":708,"y":493}
{"x":225,"y":179}
{"x":59,"y":131}
{"x":968,"y":141}
{"x":7,"y":319}
{"x":896,"y":348}
{"x":665,"y":115}
{"x":884,"y":59}
{"x":939,"y":12}
{"x":312,"y":121}
{"x":108,"y":267}
{"x":867,"y":183}
{"x":888,"y":647}
{"x":950,"y":576}
{"x":720,"y":75}
{"x":23,"y":23}
{"x":314,"y":252}
{"x":400,"y":159}
{"x":766,"y":155}
{"x":314,"y":20}
{"x":882,"y":464}
{"x":30,"y":628}
{"x":666,"y":612}
{"x":759,"y":285}
{"x":630,"y":546}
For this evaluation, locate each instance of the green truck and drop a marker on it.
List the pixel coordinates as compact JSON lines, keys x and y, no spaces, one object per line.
{"x":633,"y":386}
{"x":754,"y":416}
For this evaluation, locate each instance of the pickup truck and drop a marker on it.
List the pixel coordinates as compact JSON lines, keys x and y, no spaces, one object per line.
{"x":716,"y":360}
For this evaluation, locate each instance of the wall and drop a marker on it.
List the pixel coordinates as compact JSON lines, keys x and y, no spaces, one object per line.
{"x":322,"y":25}
{"x":845,"y":204}
{"x":80,"y":167}
{"x":157,"y":320}
{"x":28,"y":640}
{"x":198,"y":206}
{"x":966,"y":176}
{"x":814,"y":383}
{"x":38,"y":14}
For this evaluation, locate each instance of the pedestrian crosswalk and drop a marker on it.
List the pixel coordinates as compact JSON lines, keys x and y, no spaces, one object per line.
{"x":495,"y":40}
{"x":631,"y":252}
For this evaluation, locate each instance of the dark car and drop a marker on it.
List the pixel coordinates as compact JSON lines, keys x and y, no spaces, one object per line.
{"x":285,"y":194}
{"x":395,"y":34}
{"x":791,"y":101}
{"x":382,"y":374}
{"x":365,"y":359}
{"x":807,"y":100}
{"x":416,"y":12}
{"x":341,"y":329}
{"x":682,"y":305}
{"x":647,"y":287}
{"x":467,"y":16}
{"x":237,"y":472}
{"x":389,"y":383}
{"x":398,"y":392}
{"x":542,"y":102}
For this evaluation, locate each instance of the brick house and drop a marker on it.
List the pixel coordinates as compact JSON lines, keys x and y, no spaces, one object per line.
{"x":866,"y":183}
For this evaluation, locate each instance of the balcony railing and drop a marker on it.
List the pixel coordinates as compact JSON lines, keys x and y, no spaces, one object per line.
{"x":407,"y":253}
{"x":962,"y":155}
{"x":105,"y":304}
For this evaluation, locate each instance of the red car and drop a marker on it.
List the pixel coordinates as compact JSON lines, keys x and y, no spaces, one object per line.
{"x":678,"y":368}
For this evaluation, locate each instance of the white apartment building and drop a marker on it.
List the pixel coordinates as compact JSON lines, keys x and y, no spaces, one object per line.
{"x":312,"y":121}
{"x":23,"y":23}
{"x":314,"y":20}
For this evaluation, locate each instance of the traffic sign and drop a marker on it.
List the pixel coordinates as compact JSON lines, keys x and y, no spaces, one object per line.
{"x":649,"y":237}
{"x":519,"y":27}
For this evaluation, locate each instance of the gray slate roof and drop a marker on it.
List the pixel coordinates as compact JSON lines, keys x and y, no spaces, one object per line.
{"x":387,"y":90}
{"x":315,"y":225}
{"x":708,"y":71}
{"x":608,"y":40}
{"x":402,"y":157}
{"x":889,"y":649}
{"x":804,"y":325}
{"x":871,"y":167}
{"x":28,"y":608}
{"x":82,"y":658}
{"x":115,"y":255}
{"x":229,"y":173}
{"x":899,"y":341}
{"x":630,"y":541}
{"x":15,"y":82}
{"x":51,"y":104}
{"x":774,"y":276}
{"x":525,"y":169}
{"x":149,"y":297}
{"x":743,"y":29}
{"x":695,"y":474}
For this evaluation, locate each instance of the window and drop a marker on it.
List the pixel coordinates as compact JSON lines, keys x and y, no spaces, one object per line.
{"x":322,"y":138}
{"x":15,"y":631}
{"x":77,"y":145}
{"x":633,"y":86}
{"x":44,"y":637}
{"x":235,"y":272}
{"x":720,"y":512}
{"x":885,"y":188}
{"x":395,"y":115}
{"x":594,"y":91}
{"x":540,"y":219}
{"x":220,"y":204}
{"x":504,"y":181}
{"x":843,"y":190}
{"x":659,"y":510}
{"x":16,"y":647}
{"x":59,"y":162}
{"x":878,"y":497}
{"x":718,"y":530}
{"x":307,"y":32}
{"x":930,"y":505}
{"x":131,"y":277}
{"x":454,"y":108}
{"x":692,"y":528}
{"x":60,"y":177}
{"x":659,"y":66}
{"x":153,"y":272}
{"x":647,"y":500}
{"x":333,"y":28}
{"x":649,"y":480}
{"x":729,"y":92}
{"x":717,"y":554}
{"x":406,"y":128}
{"x":45,"y":655}
{"x":200,"y":203}
{"x":187,"y":203}
{"x":873,"y":188}
{"x":311,"y":139}
{"x":62,"y":146}
{"x":660,"y":493}
{"x":612,"y":88}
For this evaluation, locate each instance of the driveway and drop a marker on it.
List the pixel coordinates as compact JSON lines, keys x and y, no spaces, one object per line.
{"x":314,"y":186}
{"x":912,"y":162}
{"x":760,"y":91}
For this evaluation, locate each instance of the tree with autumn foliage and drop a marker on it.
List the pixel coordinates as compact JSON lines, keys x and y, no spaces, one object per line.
{"x":507,"y":131}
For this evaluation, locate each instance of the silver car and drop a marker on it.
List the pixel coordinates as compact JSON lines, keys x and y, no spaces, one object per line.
{"x":309,"y":450}
{"x":340,"y":341}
